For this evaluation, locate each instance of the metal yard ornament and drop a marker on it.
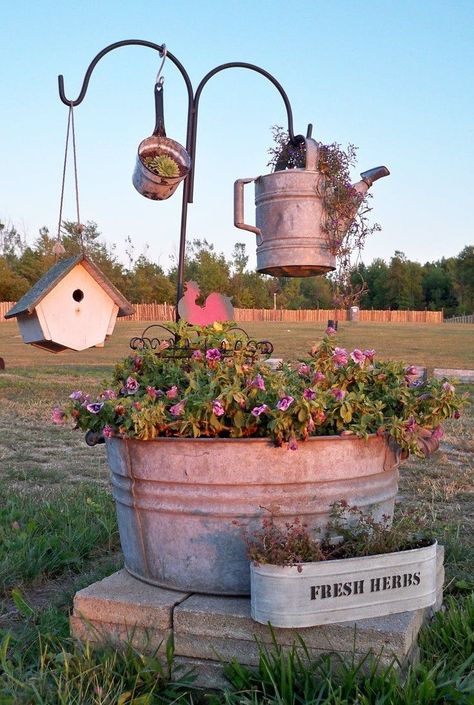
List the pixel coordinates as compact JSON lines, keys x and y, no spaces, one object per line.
{"x":289,"y":241}
{"x":162,"y":163}
{"x":217,"y":307}
{"x":290,"y":216}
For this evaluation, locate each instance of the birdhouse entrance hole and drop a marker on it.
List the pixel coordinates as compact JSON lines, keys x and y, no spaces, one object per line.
{"x":77,"y":295}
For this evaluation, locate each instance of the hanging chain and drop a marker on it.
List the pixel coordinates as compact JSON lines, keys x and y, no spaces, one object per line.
{"x":58,"y":248}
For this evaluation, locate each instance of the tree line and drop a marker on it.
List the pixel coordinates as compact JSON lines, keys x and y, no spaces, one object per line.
{"x":397,"y":284}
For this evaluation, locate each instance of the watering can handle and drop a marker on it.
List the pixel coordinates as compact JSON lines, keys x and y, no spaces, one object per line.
{"x":159,"y":130}
{"x":239,"y":206}
{"x":312,"y":151}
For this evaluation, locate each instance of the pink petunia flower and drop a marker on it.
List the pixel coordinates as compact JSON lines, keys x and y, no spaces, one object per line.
{"x":108,"y":394}
{"x":338,"y":394}
{"x":95,"y":407}
{"x":369,"y":354}
{"x":197,"y":355}
{"x":284,"y":403}
{"x":358,"y":357}
{"x":309,"y":394}
{"x":292,"y":444}
{"x":57,"y":415}
{"x":172,"y":393}
{"x":258,"y":382}
{"x":177,"y":409}
{"x":411,"y":375}
{"x":213,"y":355}
{"x":303,"y":369}
{"x":76,"y":396}
{"x":330,"y":331}
{"x":448,"y":387}
{"x":318,"y":377}
{"x":107,"y":431}
{"x":132,"y":385}
{"x":257,"y":410}
{"x":217,"y":408}
{"x":340,"y":357}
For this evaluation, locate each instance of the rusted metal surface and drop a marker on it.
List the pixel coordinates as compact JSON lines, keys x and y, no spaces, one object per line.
{"x":178,"y":499}
{"x":150,"y":184}
{"x":328,"y":592}
{"x":289,"y":220}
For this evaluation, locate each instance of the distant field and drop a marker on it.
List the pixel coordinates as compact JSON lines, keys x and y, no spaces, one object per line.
{"x":423,"y":344}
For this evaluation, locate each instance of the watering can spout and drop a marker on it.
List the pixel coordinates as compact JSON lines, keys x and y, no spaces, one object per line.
{"x":374,"y":174}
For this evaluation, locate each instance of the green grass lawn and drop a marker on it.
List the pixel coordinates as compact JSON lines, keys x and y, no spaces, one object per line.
{"x":58,"y":534}
{"x":428,"y":345}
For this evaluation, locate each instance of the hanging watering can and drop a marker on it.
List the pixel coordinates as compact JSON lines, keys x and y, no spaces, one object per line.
{"x":172,"y":170}
{"x":290,"y":217}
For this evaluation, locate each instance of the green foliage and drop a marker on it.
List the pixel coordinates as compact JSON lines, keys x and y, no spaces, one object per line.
{"x":292,"y":676}
{"x":37,"y":668}
{"x":162,"y":165}
{"x":351,"y":533}
{"x":209,"y":386}
{"x":42,"y":538}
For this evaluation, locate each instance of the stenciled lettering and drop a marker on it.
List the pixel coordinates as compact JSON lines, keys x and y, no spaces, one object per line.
{"x":336,"y":590}
{"x":356,"y":587}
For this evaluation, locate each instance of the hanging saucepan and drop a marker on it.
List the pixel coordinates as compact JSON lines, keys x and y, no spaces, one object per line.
{"x":161,"y":163}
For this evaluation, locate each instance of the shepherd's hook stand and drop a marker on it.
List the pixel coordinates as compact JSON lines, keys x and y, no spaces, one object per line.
{"x":191,"y":130}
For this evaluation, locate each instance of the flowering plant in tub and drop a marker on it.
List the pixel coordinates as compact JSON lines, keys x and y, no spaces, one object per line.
{"x":360,"y":568}
{"x":217,"y":390}
{"x":199,"y":433}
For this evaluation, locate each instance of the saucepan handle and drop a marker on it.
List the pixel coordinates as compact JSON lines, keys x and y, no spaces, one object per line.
{"x":239,"y":206}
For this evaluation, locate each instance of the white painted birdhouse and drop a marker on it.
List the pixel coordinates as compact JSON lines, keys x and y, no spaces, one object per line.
{"x":72,"y":306}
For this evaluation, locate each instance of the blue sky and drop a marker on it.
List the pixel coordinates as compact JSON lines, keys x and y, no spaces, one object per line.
{"x":394,"y":78}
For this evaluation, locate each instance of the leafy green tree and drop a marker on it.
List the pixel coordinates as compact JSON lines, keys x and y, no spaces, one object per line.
{"x":465,"y":279}
{"x":11,"y":243}
{"x":12,"y":285}
{"x":147,"y":283}
{"x":316,"y":292}
{"x":438,"y":288}
{"x":404,"y":283}
{"x":375,"y":276}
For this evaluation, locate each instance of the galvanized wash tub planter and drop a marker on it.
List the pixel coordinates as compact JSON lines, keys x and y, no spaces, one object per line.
{"x":182,"y":504}
{"x":328,"y":592}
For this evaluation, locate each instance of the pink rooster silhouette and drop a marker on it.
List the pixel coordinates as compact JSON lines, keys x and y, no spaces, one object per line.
{"x":217,"y":307}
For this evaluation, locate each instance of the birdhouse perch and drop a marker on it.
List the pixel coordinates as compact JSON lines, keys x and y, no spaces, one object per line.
{"x":73,"y":306}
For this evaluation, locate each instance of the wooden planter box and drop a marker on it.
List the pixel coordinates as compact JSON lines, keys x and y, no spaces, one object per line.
{"x":343,"y":590}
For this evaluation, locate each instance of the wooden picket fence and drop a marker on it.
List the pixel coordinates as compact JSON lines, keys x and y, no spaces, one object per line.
{"x":165,"y":312}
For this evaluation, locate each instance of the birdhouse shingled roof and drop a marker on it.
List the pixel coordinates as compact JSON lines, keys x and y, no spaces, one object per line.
{"x":48,"y":281}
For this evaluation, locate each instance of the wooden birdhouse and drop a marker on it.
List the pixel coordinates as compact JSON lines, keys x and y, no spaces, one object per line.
{"x":72,"y":306}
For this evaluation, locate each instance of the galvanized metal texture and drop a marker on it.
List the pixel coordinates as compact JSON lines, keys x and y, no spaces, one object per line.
{"x":328,"y":592}
{"x":146,"y":181}
{"x":289,"y":220}
{"x":182,"y":504}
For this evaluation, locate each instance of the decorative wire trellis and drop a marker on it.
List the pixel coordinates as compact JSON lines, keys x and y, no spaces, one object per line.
{"x":168,"y":345}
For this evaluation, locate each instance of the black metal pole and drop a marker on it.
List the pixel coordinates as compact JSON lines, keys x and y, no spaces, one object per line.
{"x":191,"y":129}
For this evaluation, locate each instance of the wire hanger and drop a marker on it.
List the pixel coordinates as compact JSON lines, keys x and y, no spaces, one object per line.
{"x":58,"y":248}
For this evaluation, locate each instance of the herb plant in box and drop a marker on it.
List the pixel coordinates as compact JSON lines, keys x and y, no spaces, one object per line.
{"x":359,"y":568}
{"x":201,"y":432}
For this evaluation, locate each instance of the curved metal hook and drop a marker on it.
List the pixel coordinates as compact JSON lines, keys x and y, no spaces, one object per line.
{"x":127,"y":42}
{"x":159,"y":78}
